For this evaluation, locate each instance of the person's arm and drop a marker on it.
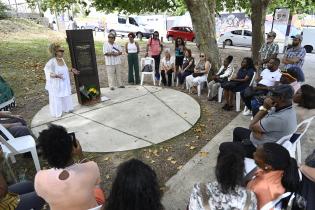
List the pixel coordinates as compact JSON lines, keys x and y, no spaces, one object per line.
{"x":227,"y":72}
{"x":161,"y":45}
{"x":189,"y":65}
{"x":207,"y":68}
{"x":138,"y":47}
{"x":3,"y":187}
{"x":241,"y":80}
{"x":126,"y":47}
{"x":106,"y":50}
{"x":309,"y":172}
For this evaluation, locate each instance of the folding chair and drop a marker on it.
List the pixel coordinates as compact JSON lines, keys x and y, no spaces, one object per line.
{"x":18,"y":145}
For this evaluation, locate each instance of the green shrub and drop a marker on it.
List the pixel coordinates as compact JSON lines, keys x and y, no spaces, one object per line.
{"x":3,"y":10}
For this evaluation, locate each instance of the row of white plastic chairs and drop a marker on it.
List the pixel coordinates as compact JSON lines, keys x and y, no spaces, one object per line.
{"x":199,"y":87}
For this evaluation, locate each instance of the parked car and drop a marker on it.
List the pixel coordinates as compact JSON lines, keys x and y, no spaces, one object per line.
{"x":308,"y":39}
{"x":186,"y":33}
{"x":93,"y":26}
{"x":122,"y":25}
{"x":238,"y":37}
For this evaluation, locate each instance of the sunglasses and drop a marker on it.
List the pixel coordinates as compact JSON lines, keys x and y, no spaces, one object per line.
{"x":73,"y":139}
{"x":202,"y":56}
{"x":61,"y":51}
{"x":111,"y":37}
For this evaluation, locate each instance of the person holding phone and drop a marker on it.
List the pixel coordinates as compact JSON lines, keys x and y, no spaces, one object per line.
{"x":276,"y":118}
{"x":69,"y":184}
{"x":113,"y":52}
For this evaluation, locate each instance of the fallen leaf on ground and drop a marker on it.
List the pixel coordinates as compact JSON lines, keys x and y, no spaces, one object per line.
{"x":173,"y":161}
{"x":203,"y":154}
{"x":179,"y":167}
{"x":192,"y":147}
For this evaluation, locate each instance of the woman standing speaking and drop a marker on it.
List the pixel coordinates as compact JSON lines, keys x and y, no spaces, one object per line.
{"x":58,"y":82}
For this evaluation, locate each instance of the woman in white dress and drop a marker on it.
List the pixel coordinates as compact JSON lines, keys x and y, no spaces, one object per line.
{"x":200,"y":74}
{"x":58,"y":82}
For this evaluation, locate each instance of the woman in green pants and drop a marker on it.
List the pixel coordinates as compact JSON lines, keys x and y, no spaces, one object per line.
{"x":132,"y":49}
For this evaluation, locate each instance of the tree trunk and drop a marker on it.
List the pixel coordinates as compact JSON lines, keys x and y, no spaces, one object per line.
{"x":258,"y":17}
{"x":202,"y":14}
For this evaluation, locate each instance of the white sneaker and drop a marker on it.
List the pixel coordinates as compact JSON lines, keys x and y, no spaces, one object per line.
{"x":247,"y":112}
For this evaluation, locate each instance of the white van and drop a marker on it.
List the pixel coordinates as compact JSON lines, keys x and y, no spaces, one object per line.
{"x":308,"y":39}
{"x":122,"y":25}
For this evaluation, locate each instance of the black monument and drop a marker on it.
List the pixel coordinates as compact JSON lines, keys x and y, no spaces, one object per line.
{"x":83,"y":58}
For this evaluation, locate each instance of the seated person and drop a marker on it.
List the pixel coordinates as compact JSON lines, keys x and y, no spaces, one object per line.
{"x":268,"y":78}
{"x":135,"y":188}
{"x":226,"y":192}
{"x":222,"y":76}
{"x":275,"y":119}
{"x":238,"y":83}
{"x":304,"y":100}
{"x":288,"y":77}
{"x":187,"y":68}
{"x":167,"y":68}
{"x":200,"y":74}
{"x":68,"y":184}
{"x":277,"y":173}
{"x":15,"y":124}
{"x":19,"y":196}
{"x":308,"y":181}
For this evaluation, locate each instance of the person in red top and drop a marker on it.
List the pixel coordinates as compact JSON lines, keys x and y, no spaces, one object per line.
{"x":154,"y":49}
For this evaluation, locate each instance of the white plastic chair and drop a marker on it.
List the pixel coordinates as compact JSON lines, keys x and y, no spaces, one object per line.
{"x":18,"y":145}
{"x":152,"y":73}
{"x":275,"y":204}
{"x":238,"y":94}
{"x":295,"y":147}
{"x":96,"y":208}
{"x":200,"y":86}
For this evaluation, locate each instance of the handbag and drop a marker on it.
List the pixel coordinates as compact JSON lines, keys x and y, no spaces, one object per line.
{"x":10,"y":201}
{"x":230,"y":84}
{"x":147,"y":68}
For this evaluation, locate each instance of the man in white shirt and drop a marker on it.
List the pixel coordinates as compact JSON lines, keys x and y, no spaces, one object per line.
{"x":269,"y":77}
{"x":112,"y":52}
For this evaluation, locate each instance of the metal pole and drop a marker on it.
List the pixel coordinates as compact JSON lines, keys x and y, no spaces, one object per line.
{"x":273,"y":18}
{"x":288,"y":31}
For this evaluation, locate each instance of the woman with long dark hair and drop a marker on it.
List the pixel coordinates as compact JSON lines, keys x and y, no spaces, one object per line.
{"x":179,"y":53}
{"x":238,"y":83}
{"x":226,"y":193}
{"x":277,"y":173}
{"x":134,"y":188}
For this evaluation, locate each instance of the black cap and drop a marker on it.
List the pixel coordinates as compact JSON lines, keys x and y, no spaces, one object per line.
{"x":284,"y":90}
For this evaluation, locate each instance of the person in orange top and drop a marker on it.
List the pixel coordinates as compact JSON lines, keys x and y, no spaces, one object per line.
{"x":277,"y":173}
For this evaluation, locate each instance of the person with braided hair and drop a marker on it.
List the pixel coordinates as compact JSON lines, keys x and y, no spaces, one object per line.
{"x":277,"y":173}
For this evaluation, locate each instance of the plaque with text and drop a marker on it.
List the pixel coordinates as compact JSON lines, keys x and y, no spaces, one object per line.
{"x":83,"y":58}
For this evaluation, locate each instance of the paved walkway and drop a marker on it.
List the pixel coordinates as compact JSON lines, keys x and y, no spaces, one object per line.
{"x":135,"y":117}
{"x":201,"y":167}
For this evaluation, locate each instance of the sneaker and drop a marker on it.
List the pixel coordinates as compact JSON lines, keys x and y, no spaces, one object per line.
{"x":247,"y":112}
{"x":121,"y":86}
{"x":112,"y":88}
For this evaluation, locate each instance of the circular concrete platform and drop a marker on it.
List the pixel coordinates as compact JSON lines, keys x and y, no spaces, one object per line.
{"x":134,"y":117}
